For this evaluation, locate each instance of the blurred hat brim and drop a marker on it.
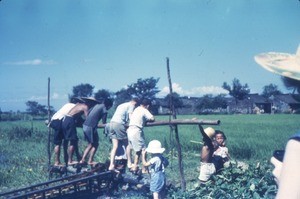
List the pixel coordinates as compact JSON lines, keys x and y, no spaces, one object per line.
{"x":287,"y":65}
{"x":90,"y":99}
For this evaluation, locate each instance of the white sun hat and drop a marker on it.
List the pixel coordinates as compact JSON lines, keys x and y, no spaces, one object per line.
{"x":154,"y":146}
{"x":284,"y":64}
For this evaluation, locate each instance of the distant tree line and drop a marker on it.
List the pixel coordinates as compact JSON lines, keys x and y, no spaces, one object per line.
{"x":147,"y":88}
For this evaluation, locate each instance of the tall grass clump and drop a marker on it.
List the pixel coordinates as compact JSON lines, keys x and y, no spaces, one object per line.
{"x":23,"y":156}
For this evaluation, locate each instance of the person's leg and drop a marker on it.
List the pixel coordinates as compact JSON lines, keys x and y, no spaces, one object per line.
{"x":71,"y":135}
{"x":113,"y":151}
{"x":57,"y":155}
{"x":78,"y":155}
{"x":86,"y":152}
{"x":128,"y":153}
{"x":70,"y":154}
{"x":92,"y":154}
{"x":65,"y":148}
{"x":136,"y":160}
{"x":155,"y":195}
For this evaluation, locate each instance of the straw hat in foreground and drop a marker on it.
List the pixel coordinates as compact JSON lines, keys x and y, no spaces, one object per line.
{"x":287,"y":65}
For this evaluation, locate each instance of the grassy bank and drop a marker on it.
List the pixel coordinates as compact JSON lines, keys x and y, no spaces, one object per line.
{"x":251,"y":138}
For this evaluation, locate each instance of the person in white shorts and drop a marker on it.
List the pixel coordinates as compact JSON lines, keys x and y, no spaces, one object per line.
{"x":136,"y":138}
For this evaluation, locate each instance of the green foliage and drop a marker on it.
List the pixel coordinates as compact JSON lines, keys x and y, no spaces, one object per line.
{"x":177,"y":102}
{"x":121,"y":97}
{"x":82,"y":90}
{"x":270,"y":90}
{"x":34,"y":108}
{"x":208,"y":103}
{"x":237,"y":90}
{"x":144,"y":88}
{"x":235,"y":181}
{"x":103,"y":94}
{"x":21,"y":154}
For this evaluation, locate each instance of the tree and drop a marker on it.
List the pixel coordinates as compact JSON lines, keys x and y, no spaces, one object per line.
{"x":82,"y":90}
{"x":206,"y":102}
{"x":144,"y":88}
{"x":238,"y":91}
{"x":177,"y":102}
{"x":220,"y":101}
{"x":209,"y":103}
{"x":270,"y":90}
{"x":291,"y":84}
{"x":34,"y":108}
{"x":102,"y":94}
{"x":121,"y":96}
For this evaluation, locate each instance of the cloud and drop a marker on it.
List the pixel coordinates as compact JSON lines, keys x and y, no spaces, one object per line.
{"x":193,"y":92}
{"x":33,"y":62}
{"x":37,"y":98}
{"x":57,"y":96}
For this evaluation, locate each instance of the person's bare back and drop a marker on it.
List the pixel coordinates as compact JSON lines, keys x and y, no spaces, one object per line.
{"x":79,"y":107}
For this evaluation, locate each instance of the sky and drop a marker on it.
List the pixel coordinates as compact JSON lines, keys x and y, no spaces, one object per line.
{"x":110,"y":44}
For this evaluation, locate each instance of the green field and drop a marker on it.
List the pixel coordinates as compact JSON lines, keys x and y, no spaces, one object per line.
{"x":250,"y":138}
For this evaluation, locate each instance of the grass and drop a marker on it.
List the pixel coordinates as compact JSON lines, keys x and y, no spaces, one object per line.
{"x":250,"y":138}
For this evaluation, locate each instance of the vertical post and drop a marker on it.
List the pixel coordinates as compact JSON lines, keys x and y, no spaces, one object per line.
{"x":172,"y":108}
{"x":49,"y":129}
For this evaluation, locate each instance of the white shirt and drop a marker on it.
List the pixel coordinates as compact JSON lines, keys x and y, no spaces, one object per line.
{"x":122,"y":113}
{"x":222,"y":151}
{"x":140,"y":116}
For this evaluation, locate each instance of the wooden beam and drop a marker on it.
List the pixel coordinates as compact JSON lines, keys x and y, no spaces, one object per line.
{"x":178,"y":122}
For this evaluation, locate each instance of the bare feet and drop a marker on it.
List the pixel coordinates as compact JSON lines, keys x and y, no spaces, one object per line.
{"x":129,"y":165}
{"x":111,"y":167}
{"x":72,"y":163}
{"x":92,"y":163}
{"x":134,"y":168}
{"x":82,"y":162}
{"x":58,"y":164}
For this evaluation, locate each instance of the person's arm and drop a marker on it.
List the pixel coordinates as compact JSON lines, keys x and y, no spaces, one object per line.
{"x":149,"y":116}
{"x":104,"y":118}
{"x":287,"y":173}
{"x":206,"y":154}
{"x":227,"y":153}
{"x":144,"y":161}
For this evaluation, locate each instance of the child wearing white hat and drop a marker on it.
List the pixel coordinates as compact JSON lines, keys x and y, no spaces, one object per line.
{"x":156,"y":165}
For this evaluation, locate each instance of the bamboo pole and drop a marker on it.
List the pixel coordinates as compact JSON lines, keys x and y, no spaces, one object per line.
{"x":183,"y":182}
{"x":177,"y":122}
{"x":49,"y":129}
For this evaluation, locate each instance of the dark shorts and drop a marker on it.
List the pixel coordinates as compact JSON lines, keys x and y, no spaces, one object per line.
{"x":69,"y":128}
{"x":56,"y":125}
{"x":117,"y":131}
{"x":91,"y":134}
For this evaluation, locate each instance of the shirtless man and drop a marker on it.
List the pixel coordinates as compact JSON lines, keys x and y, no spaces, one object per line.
{"x":69,"y":128}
